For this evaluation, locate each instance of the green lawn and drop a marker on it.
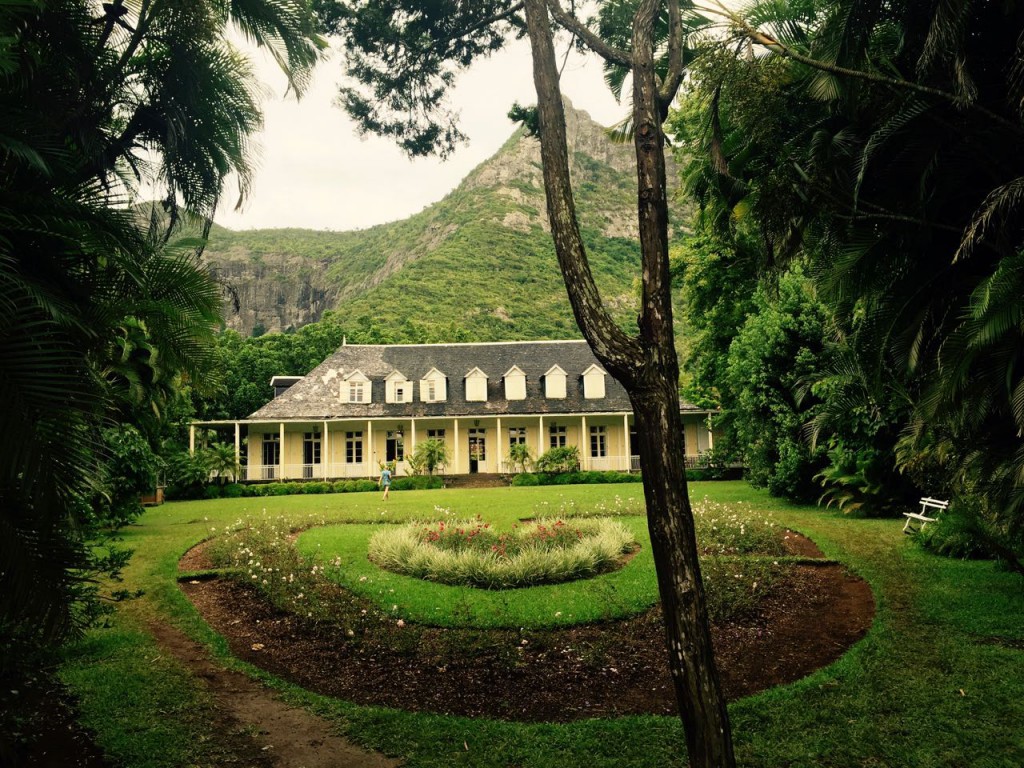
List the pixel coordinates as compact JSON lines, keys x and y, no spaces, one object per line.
{"x":939,"y":680}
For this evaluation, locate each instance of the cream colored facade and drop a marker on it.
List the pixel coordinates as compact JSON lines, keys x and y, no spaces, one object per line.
{"x":333,"y":449}
{"x":369,"y":405}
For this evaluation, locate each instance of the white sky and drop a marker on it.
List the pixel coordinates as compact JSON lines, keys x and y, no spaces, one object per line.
{"x":315,"y":172}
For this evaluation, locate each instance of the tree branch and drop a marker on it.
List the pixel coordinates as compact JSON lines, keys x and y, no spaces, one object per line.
{"x":593,"y":42}
{"x":781,"y":49}
{"x":610,"y":343}
{"x":510,"y":11}
{"x":674,"y":77}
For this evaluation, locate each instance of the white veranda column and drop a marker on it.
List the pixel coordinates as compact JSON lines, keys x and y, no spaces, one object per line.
{"x":371,"y":455}
{"x":412,"y":436}
{"x":626,"y":459}
{"x":238,"y":450}
{"x":584,"y":448}
{"x":325,"y":455}
{"x":498,"y":445}
{"x":280,"y":454}
{"x":456,"y":451}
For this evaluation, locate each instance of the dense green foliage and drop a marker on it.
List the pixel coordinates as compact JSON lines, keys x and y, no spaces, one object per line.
{"x":558,"y":460}
{"x":105,"y":312}
{"x":780,"y":346}
{"x":879,"y":146}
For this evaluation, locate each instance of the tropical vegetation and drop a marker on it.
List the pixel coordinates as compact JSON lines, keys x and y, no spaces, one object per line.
{"x":871,"y":154}
{"x":105,"y":311}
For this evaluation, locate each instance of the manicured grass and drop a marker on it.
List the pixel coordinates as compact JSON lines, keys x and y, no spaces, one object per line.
{"x":939,"y":680}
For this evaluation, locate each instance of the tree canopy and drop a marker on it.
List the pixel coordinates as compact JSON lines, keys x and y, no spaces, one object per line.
{"x":879,"y":145}
{"x":104,"y":308}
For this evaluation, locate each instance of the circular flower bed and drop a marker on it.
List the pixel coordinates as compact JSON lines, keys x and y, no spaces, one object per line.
{"x":471,"y":553}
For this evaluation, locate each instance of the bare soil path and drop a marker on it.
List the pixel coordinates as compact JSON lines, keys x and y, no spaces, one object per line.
{"x":263,"y":731}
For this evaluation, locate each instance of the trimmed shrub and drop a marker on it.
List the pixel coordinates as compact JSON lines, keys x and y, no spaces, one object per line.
{"x":417,"y":483}
{"x":316,"y":487}
{"x":233,"y":491}
{"x":575,"y":478}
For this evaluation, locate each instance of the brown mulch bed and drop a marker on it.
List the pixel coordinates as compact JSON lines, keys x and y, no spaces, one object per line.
{"x":598,"y":670}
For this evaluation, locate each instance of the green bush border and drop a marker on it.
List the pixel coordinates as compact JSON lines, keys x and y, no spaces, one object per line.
{"x":292,"y":488}
{"x":574,"y":478}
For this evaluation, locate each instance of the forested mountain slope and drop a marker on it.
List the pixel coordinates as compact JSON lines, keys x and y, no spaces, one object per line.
{"x":479,"y":264}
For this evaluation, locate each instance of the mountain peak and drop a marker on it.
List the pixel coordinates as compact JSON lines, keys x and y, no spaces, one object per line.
{"x":489,"y":238}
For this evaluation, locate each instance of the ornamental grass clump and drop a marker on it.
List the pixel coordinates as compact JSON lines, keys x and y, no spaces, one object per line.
{"x":471,"y":553}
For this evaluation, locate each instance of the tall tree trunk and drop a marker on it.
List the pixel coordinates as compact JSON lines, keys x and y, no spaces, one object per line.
{"x":647,"y":367}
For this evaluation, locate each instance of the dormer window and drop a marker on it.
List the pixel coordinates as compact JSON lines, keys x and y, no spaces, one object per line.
{"x":397,"y":388}
{"x":476,"y":386}
{"x":434,"y":387}
{"x":356,"y":388}
{"x":593,"y":383}
{"x":515,"y":384}
{"x":554,"y":383}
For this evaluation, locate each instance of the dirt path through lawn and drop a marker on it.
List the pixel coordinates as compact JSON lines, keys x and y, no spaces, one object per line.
{"x":264,"y":731}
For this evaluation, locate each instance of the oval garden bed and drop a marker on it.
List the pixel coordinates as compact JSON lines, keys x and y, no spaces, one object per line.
{"x":315,"y":610}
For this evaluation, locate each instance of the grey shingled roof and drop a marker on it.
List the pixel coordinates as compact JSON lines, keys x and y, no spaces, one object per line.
{"x":316,"y":396}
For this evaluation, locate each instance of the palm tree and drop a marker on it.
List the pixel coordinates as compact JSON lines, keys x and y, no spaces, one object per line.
{"x":221,"y":462}
{"x":887,"y":154}
{"x":100,"y":312}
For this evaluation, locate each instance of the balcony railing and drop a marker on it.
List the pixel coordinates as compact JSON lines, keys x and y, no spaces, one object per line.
{"x":312,"y":472}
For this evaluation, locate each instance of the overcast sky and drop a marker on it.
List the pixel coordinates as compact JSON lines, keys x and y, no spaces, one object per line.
{"x":315,"y":172}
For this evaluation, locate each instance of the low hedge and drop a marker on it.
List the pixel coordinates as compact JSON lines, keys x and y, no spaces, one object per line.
{"x":236,"y":490}
{"x":591,"y":478}
{"x":417,"y":483}
{"x":574,"y":478}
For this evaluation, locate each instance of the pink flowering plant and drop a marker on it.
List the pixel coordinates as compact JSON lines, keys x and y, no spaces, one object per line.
{"x":479,"y":536}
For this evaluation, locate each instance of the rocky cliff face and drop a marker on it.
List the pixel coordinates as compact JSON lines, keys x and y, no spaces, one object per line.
{"x":280,"y":279}
{"x":278,"y":292}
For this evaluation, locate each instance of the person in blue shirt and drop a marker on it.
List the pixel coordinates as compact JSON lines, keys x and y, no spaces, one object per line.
{"x":385,"y":480}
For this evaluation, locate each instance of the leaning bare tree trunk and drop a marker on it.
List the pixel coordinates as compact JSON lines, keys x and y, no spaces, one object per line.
{"x":648,"y":368}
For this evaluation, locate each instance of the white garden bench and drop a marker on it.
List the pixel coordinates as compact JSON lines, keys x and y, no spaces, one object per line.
{"x":930,"y":511}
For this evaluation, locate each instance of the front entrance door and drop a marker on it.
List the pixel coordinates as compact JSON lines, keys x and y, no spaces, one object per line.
{"x":271,"y":454}
{"x":310,"y":454}
{"x":477,"y":449}
{"x":394,"y":447}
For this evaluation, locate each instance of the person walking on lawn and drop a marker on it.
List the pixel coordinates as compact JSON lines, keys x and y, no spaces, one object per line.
{"x":385,"y":480}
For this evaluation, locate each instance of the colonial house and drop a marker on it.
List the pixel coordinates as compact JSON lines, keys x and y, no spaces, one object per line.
{"x":370,"y":404}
